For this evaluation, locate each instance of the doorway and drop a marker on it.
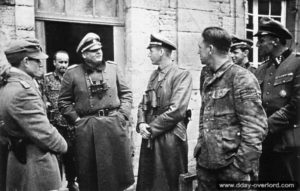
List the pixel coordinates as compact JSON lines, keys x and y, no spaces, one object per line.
{"x":66,"y":36}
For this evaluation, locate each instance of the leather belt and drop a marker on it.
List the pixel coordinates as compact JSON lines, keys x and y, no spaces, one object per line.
{"x":105,"y":112}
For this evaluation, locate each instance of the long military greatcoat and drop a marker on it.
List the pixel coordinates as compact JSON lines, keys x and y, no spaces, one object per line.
{"x":161,"y":165}
{"x":101,"y":143}
{"x":24,"y":115}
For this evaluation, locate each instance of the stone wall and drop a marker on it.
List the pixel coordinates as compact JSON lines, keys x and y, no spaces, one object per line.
{"x":16,"y":20}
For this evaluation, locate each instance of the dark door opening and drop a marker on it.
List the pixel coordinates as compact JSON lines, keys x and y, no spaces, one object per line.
{"x":66,"y":36}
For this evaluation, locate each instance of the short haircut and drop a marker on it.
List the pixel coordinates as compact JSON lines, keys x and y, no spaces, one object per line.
{"x":218,"y":37}
{"x":60,"y":51}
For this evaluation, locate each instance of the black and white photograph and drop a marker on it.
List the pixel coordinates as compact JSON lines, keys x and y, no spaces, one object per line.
{"x":149,"y":95}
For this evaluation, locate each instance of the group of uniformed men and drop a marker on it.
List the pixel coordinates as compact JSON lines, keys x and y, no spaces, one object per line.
{"x":248,"y":126}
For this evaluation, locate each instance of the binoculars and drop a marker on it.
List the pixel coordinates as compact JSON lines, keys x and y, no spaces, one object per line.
{"x":98,"y":88}
{"x":149,"y":100}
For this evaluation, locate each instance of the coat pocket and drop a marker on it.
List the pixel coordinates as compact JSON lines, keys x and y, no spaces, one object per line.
{"x":223,"y":103}
{"x":180,"y":131}
{"x":231,"y":139}
{"x":220,"y":93}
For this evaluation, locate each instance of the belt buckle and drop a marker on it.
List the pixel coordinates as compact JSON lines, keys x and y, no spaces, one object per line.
{"x":101,"y":112}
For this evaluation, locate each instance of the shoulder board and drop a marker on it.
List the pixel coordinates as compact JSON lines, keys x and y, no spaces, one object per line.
{"x":48,"y":74}
{"x":297,"y":54}
{"x":264,"y":62}
{"x":111,"y":62}
{"x":24,"y":84}
{"x":182,"y":68}
{"x":72,"y":66}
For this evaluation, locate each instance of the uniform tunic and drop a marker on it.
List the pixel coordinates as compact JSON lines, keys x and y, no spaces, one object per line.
{"x":101,"y":143}
{"x":51,"y":88}
{"x":280,"y":84}
{"x":233,"y":125}
{"x":160,"y":166}
{"x":24,"y":116}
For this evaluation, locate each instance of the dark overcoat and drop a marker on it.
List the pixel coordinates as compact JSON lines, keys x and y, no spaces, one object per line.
{"x":24,"y":115}
{"x":161,"y":165}
{"x":101,"y":142}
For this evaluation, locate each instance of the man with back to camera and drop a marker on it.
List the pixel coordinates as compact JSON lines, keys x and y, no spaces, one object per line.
{"x":33,"y":141}
{"x":239,"y":50}
{"x":233,"y":123}
{"x":51,"y":86}
{"x":96,"y":99}
{"x":279,"y":78}
{"x":162,"y":120}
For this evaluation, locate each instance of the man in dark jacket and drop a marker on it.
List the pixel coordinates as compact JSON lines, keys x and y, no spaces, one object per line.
{"x":51,"y":88}
{"x":279,"y":78}
{"x":96,"y":99}
{"x":33,"y":141}
{"x":232,"y":120}
{"x":162,"y":120}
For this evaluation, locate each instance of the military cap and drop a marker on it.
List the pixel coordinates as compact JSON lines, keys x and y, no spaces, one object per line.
{"x":90,"y":41}
{"x":240,"y":43}
{"x":268,"y":26}
{"x":159,"y":40}
{"x":21,"y":48}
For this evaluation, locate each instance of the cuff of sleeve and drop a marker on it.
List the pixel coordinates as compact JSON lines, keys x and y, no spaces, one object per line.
{"x":246,"y":165}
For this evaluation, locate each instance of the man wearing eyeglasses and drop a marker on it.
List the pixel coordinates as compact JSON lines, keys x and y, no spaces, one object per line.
{"x":96,"y":99}
{"x":33,"y":142}
{"x":52,"y":84}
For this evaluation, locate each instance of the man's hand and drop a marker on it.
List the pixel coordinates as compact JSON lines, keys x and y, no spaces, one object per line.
{"x":143,"y":130}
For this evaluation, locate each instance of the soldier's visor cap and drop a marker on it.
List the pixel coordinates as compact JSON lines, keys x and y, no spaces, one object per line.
{"x":159,"y":40}
{"x":269,"y":26}
{"x":237,"y":42}
{"x":21,"y":48}
{"x":90,"y":41}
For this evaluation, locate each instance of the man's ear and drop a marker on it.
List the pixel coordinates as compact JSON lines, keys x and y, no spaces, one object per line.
{"x":211,"y":49}
{"x":162,"y":51}
{"x":246,"y":52}
{"x":24,"y":61}
{"x":83,"y":55}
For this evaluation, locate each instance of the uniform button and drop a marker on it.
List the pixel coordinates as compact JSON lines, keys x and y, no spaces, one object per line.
{"x":206,"y":119}
{"x":267,"y":103}
{"x":269,"y":83}
{"x":268,"y":93}
{"x":283,"y":81}
{"x":238,"y":133}
{"x":271,"y":74}
{"x":92,"y":105}
{"x":206,"y":130}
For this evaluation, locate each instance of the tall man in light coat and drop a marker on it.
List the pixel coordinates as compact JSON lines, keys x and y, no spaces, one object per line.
{"x":162,"y":120}
{"x":96,"y":99}
{"x":233,"y":123}
{"x":33,"y":141}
